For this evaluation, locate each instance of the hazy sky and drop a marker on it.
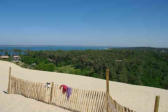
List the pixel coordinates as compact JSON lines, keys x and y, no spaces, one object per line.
{"x":84,"y":22}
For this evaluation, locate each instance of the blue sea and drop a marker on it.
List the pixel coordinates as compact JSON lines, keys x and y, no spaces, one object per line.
{"x":45,"y":47}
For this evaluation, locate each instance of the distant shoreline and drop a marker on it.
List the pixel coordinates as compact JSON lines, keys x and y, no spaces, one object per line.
{"x":50,"y":47}
{"x":107,"y":46}
{"x":58,"y":45}
{"x":69,"y":47}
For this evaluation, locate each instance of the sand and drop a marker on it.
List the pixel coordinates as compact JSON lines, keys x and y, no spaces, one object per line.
{"x":139,"y":98}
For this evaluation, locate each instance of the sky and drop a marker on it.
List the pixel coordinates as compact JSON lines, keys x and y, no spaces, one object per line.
{"x":124,"y":23}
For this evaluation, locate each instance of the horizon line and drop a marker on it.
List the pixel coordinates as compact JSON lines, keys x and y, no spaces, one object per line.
{"x":38,"y":45}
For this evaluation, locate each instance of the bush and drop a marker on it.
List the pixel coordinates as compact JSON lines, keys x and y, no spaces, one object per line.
{"x":45,"y":67}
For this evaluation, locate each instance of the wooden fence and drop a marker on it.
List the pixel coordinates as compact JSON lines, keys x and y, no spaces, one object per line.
{"x":80,"y":100}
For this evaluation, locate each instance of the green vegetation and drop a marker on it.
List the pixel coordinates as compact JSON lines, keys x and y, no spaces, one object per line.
{"x":140,"y":66}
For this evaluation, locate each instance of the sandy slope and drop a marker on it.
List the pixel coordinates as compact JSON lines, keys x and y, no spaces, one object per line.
{"x":139,"y":98}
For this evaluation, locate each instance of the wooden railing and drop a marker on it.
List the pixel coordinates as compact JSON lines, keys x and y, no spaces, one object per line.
{"x":80,"y":100}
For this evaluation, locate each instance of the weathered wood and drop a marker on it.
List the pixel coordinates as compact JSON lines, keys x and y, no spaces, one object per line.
{"x":107,"y":89}
{"x":156,"y":108}
{"x":107,"y":81}
{"x":51,"y":94}
{"x":80,"y":100}
{"x":9,"y":81}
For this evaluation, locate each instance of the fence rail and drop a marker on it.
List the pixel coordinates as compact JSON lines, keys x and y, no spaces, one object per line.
{"x":80,"y":100}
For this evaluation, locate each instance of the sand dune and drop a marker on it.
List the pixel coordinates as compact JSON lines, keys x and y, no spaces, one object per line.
{"x":138,"y":98}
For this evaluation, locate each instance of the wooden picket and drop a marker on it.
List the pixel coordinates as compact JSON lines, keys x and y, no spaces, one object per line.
{"x":80,"y":100}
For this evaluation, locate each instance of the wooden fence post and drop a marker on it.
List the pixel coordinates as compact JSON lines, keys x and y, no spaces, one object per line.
{"x":9,"y":81}
{"x":156,"y":103}
{"x":51,"y":94}
{"x":107,"y":89}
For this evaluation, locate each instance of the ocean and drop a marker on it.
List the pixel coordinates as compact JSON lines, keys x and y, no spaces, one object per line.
{"x":45,"y":47}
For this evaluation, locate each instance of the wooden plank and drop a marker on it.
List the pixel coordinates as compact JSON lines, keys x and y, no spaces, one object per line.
{"x":51,"y":93}
{"x":9,"y":81}
{"x":107,"y":89}
{"x":156,"y":108}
